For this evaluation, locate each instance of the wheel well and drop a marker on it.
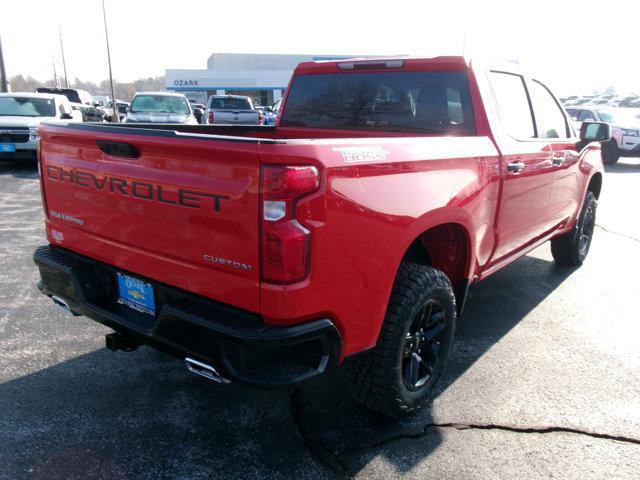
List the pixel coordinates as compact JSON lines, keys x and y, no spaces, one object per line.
{"x":444,"y":247}
{"x":595,"y":184}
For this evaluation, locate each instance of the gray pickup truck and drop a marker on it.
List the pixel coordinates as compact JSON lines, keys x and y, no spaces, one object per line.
{"x":232,"y":109}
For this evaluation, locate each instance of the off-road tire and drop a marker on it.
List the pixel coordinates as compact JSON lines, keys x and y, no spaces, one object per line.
{"x":567,"y":249}
{"x":610,"y":152}
{"x":376,"y":377}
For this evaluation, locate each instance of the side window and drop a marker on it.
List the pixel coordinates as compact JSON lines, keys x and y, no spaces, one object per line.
{"x":550,"y":120}
{"x":573,"y":113}
{"x":586,"y":116}
{"x":513,"y":104}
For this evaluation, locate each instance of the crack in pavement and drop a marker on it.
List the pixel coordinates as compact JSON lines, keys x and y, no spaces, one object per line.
{"x":624,"y":235}
{"x":332,"y":459}
{"x":430,"y":429}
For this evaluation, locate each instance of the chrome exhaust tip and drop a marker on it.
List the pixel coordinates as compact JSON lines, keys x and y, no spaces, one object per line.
{"x":61,"y":303}
{"x":204,"y":370}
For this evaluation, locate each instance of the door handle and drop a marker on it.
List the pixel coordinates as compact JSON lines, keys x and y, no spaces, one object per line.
{"x":516,"y":166}
{"x":559,"y":159}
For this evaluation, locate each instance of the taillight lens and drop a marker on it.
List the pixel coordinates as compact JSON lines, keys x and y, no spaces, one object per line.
{"x":285,"y":252}
{"x":210,"y":117}
{"x":286,"y":244}
{"x":260,"y":118}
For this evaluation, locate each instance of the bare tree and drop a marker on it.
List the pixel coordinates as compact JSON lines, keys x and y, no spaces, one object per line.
{"x":123,"y":91}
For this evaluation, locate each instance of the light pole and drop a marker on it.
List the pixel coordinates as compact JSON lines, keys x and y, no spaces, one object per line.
{"x":55,"y":73}
{"x":115,"y":117}
{"x":64,"y":63}
{"x":3,"y":73}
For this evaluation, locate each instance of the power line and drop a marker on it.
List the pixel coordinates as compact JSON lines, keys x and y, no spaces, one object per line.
{"x":64,"y":63}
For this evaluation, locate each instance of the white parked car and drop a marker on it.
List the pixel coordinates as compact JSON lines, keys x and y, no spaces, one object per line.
{"x":160,"y":107}
{"x":625,"y":129}
{"x":20,"y":116}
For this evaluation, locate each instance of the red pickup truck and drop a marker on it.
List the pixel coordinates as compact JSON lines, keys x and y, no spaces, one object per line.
{"x":349,"y":233}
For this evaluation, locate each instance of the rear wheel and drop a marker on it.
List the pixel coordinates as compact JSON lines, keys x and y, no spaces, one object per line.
{"x":398,"y":375}
{"x":572,"y":248}
{"x":610,"y":152}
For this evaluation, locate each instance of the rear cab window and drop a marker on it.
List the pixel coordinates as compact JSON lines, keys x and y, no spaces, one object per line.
{"x":420,"y":102}
{"x":230,"y":103}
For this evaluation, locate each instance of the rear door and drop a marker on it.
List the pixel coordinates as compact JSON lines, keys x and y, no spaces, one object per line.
{"x":527,"y":166}
{"x":180,"y":209}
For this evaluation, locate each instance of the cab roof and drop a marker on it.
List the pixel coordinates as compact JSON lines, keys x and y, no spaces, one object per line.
{"x":390,"y":63}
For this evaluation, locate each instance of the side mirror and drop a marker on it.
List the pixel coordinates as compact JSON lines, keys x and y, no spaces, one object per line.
{"x":595,"y":132}
{"x":66,"y":116}
{"x":267,"y":109}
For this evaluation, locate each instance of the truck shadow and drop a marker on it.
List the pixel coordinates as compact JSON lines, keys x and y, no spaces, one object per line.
{"x":121,"y":416}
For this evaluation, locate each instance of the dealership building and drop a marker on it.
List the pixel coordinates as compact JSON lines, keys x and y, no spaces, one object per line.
{"x":263,"y":77}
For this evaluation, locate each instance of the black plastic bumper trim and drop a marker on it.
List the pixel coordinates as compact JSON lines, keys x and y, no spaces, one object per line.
{"x":238,"y":343}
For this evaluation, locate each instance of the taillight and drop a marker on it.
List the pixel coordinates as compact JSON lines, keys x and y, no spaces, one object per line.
{"x":260,"y":118}
{"x":286,"y":244}
{"x":210,"y":117}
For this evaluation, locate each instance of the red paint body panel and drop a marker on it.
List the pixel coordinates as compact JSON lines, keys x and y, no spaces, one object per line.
{"x":362,"y":218}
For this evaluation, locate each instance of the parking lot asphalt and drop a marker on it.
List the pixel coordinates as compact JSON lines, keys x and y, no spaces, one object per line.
{"x":543,"y":381}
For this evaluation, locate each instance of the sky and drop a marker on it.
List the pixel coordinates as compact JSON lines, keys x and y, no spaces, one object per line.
{"x":571,"y":45}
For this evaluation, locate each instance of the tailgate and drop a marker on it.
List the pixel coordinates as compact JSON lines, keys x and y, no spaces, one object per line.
{"x":236,"y":116}
{"x":180,"y":209}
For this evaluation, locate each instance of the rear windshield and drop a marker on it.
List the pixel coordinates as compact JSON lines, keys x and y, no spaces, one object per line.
{"x":27,"y":107}
{"x":230,"y":103}
{"x":431,"y":102}
{"x":159,"y":103}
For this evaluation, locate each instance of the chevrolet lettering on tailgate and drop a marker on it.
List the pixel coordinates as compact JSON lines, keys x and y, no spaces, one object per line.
{"x":134,"y":188}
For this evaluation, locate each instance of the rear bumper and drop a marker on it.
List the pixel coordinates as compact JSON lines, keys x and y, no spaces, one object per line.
{"x":19,"y":154}
{"x":237,"y":343}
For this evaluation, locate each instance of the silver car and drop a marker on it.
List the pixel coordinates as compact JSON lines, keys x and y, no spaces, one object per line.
{"x":160,"y":107}
{"x":232,"y":110}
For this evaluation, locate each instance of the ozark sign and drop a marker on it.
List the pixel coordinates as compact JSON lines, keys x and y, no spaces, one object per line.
{"x":186,"y":83}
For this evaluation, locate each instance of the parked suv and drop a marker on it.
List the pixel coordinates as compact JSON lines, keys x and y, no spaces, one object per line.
{"x":20,"y":116}
{"x":160,"y":107}
{"x":625,"y":130}
{"x":80,"y":100}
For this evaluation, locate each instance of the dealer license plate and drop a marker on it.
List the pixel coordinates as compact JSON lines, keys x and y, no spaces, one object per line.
{"x":136,"y":293}
{"x":7,"y":147}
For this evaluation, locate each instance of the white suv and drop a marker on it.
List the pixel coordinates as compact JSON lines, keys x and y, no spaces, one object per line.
{"x":20,"y":116}
{"x":625,"y":129}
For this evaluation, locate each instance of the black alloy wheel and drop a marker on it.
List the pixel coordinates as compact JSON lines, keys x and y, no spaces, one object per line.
{"x":422,"y":344}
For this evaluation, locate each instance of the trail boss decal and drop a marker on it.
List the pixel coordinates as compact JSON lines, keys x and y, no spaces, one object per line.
{"x":136,"y":189}
{"x":369,"y":153}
